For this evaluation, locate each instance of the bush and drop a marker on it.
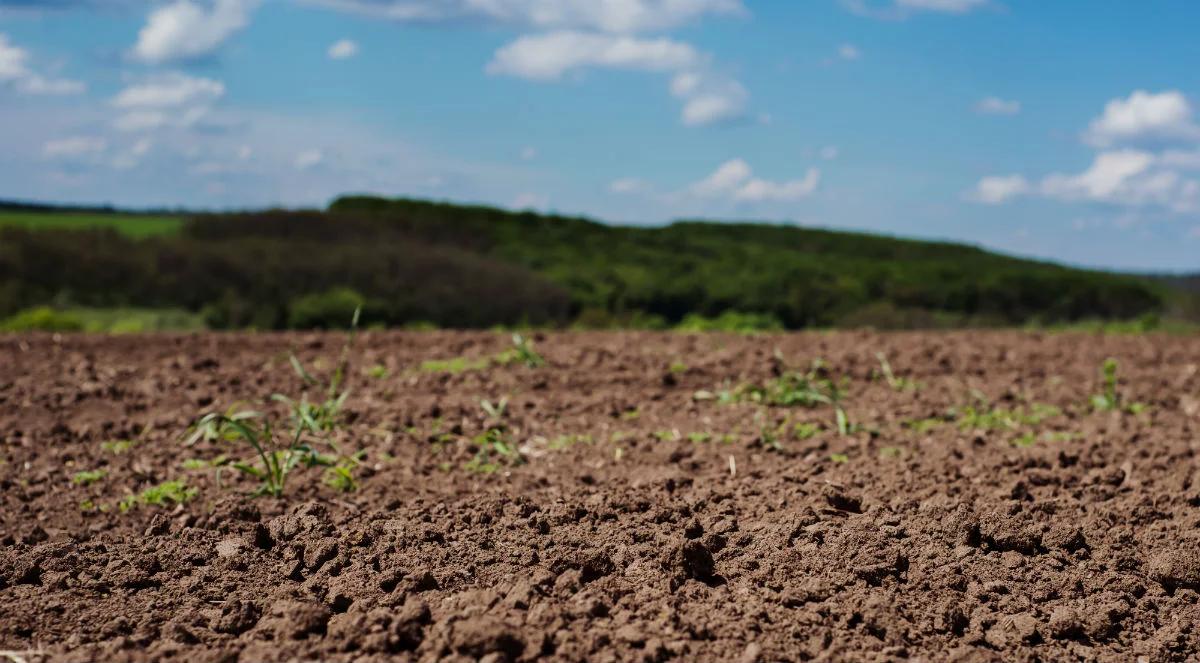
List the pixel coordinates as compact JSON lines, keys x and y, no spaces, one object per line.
{"x":332,"y":309}
{"x":42,"y":318}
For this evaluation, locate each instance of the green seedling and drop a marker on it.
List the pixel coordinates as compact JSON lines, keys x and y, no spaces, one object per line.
{"x":522,"y":351}
{"x":985,"y":418}
{"x":814,"y":388}
{"x":455,"y":365}
{"x":254,"y":429}
{"x":896,"y":383}
{"x":202,"y":464}
{"x":378,"y":372}
{"x":805,"y":430}
{"x":699,"y":438}
{"x":88,"y":477}
{"x":1111,"y":400}
{"x":326,"y":415}
{"x":839,"y":458}
{"x":117,"y":447}
{"x":167,"y":493}
{"x":890,"y":452}
{"x":493,"y":451}
{"x":922,"y":426}
{"x":340,"y":476}
{"x":495,"y":410}
{"x":678,"y":367}
{"x":567,"y":441}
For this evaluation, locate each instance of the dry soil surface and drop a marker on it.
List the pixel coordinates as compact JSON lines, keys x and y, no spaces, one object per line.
{"x":640,"y":497}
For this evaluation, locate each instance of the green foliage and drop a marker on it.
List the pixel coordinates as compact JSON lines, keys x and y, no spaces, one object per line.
{"x":167,"y":493}
{"x":982,"y":417}
{"x":117,"y":447}
{"x":130,"y":225}
{"x":896,"y":383}
{"x":493,"y":451}
{"x":521,"y":352}
{"x":325,"y":310}
{"x":469,"y":266}
{"x":731,"y":321}
{"x":42,"y":318}
{"x":1110,"y":399}
{"x":88,"y":477}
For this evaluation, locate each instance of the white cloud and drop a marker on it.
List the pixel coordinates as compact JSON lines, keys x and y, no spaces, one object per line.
{"x":707,"y":97}
{"x":169,"y":91}
{"x":15,"y":71}
{"x":549,"y":56}
{"x":735,"y":180}
{"x":528,"y":153}
{"x":628,"y":186}
{"x":1144,"y":117}
{"x":165,"y":100}
{"x":613,"y":16}
{"x":999,"y":189}
{"x":309,"y":159}
{"x":74,"y":147}
{"x":185,"y":30}
{"x":830,"y":152}
{"x":900,"y":9}
{"x":997,"y":106}
{"x":1126,"y":171}
{"x":343,"y":49}
{"x":849,"y":52}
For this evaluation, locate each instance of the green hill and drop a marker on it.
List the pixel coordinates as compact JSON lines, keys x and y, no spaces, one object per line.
{"x":452,"y":265}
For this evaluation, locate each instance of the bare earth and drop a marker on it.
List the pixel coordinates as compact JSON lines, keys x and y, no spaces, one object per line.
{"x":640,"y":523}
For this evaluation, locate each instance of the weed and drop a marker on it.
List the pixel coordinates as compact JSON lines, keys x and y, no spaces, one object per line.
{"x":810,"y":389}
{"x":164,"y":494}
{"x":327,"y":415}
{"x":985,"y":418}
{"x":88,"y":477}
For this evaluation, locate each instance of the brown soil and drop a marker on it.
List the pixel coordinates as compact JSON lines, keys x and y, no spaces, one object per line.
{"x":643,"y":524}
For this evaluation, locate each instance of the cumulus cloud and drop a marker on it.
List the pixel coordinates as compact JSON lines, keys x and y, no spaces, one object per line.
{"x":999,"y":189}
{"x":15,"y":72}
{"x":627,"y":186}
{"x":530,"y":201}
{"x":612,"y":16}
{"x":899,"y":9}
{"x":74,"y":146}
{"x":735,"y":180}
{"x":1146,"y":158}
{"x":707,"y":97}
{"x":309,"y":159}
{"x":549,"y":56}
{"x":186,"y":30}
{"x":1144,"y":118}
{"x":997,"y":106}
{"x":342,"y":49}
{"x":165,"y":100}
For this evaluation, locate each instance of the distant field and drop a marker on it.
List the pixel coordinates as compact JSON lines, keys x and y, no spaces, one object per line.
{"x":130,"y":225}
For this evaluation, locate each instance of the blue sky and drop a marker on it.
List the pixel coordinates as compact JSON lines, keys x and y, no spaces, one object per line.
{"x":1066,"y":130}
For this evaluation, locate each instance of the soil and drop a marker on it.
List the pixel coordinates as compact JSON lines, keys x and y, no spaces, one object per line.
{"x":641,"y":521}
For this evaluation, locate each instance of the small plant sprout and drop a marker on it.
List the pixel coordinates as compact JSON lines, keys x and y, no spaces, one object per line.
{"x":493,"y":451}
{"x":275,"y":462}
{"x":88,"y":477}
{"x":340,"y":476}
{"x":327,"y":415}
{"x":378,"y":371}
{"x":495,"y":410}
{"x":522,"y":351}
{"x":167,"y":493}
{"x":896,"y":383}
{"x":1110,"y":400}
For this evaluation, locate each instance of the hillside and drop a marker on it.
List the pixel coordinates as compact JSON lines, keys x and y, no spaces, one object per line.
{"x":469,"y":266}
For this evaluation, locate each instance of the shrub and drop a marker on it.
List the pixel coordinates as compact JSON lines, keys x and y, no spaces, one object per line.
{"x":327,"y":310}
{"x":42,"y":318}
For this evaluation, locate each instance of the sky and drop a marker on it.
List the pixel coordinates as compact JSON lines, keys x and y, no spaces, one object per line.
{"x":1065,"y":130}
